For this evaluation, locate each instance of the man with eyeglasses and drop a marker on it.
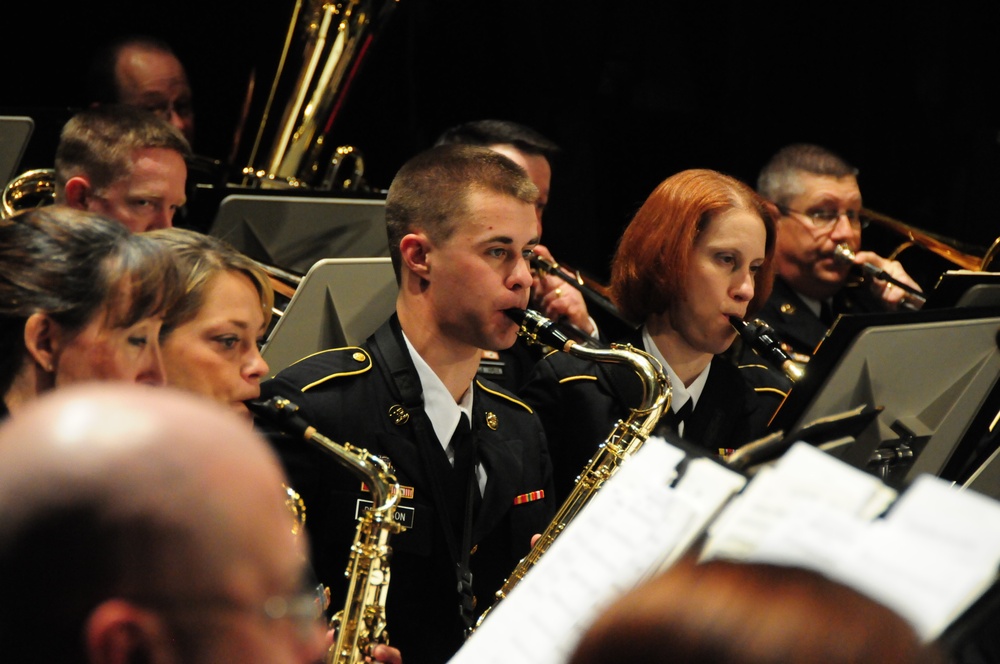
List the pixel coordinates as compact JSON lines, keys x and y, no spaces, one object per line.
{"x":124,"y":163}
{"x":819,"y":204}
{"x":144,"y":72}
{"x":139,"y":524}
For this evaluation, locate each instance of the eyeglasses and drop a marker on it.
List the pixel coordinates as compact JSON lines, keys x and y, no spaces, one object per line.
{"x":827,"y":217}
{"x":305,"y":610}
{"x":164,"y":109}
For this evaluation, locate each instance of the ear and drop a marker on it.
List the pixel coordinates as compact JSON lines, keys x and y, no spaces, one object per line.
{"x":415,"y":251}
{"x":43,"y":340}
{"x":119,"y":632}
{"x":78,"y":192}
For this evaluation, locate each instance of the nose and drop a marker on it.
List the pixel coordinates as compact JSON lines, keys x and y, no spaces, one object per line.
{"x":175,"y":118}
{"x":520,"y":277}
{"x":256,"y":366}
{"x":152,"y":371}
{"x":843,"y":230}
{"x":743,"y":287}
{"x":162,"y":219}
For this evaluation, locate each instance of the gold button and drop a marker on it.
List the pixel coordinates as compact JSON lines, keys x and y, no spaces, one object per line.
{"x":787,"y":308}
{"x":491,"y":420}
{"x":359,"y":356}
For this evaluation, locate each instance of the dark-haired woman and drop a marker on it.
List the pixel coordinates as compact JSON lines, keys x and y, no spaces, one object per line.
{"x":81,"y":299}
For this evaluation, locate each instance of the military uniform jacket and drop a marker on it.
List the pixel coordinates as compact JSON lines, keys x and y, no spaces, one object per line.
{"x":797,"y":327}
{"x":349,"y":395}
{"x":580,"y":401}
{"x":796,"y":324}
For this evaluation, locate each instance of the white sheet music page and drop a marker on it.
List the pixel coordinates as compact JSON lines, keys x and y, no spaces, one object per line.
{"x":623,"y":535}
{"x":929,"y":556}
{"x":935,"y":552}
{"x":805,"y":484}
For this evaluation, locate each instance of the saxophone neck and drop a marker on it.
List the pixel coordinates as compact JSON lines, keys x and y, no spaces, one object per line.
{"x":656,"y":389}
{"x":372,"y":469}
{"x":537,"y":329}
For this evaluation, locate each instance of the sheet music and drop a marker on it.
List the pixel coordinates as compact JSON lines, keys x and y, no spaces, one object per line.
{"x":803,"y":485}
{"x":626,"y":532}
{"x":932,"y":556}
{"x":929,"y":557}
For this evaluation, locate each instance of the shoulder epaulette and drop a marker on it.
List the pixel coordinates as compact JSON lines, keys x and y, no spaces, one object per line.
{"x":334,"y":363}
{"x":505,"y":396}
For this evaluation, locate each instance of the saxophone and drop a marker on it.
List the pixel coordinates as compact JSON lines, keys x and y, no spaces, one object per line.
{"x":625,"y":439}
{"x":360,"y":625}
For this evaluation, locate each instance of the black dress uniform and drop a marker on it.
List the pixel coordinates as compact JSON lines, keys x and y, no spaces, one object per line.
{"x":580,"y":401}
{"x":795,"y":323}
{"x":798,"y":328}
{"x":365,"y":396}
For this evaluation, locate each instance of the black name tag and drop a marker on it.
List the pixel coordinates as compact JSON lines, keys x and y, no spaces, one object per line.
{"x":491,"y":368}
{"x":404,"y":515}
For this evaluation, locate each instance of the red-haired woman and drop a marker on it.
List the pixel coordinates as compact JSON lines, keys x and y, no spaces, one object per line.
{"x":698,"y":251}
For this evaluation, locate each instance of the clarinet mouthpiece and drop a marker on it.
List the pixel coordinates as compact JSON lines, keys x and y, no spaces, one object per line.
{"x":537,"y":329}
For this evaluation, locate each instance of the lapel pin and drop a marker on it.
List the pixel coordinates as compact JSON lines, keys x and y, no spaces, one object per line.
{"x":398,"y":415}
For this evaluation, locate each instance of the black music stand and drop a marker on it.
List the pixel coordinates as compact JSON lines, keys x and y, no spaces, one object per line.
{"x":962,"y":288}
{"x":986,"y":478}
{"x":339,"y":303}
{"x":15,"y":131}
{"x":294,"y":232}
{"x":930,"y":372}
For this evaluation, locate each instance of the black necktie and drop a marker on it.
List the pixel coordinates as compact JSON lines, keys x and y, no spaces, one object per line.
{"x":825,"y":313}
{"x":464,"y":470}
{"x":464,"y":501}
{"x":461,"y":444}
{"x":673,"y":418}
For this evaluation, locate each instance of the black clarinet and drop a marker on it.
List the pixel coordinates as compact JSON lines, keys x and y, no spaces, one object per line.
{"x":761,"y":337}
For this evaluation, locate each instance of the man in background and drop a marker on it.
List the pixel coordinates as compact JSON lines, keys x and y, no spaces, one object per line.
{"x":144,"y":72}
{"x":124,"y":163}
{"x":819,"y":203}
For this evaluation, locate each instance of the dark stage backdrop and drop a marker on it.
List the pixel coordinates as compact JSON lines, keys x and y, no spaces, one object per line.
{"x":632,"y":91}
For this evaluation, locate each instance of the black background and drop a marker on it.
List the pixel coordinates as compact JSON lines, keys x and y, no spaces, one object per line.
{"x":632,"y":91}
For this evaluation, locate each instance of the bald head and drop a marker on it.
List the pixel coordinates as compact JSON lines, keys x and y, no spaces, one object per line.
{"x":151,"y":77}
{"x":120,"y":491}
